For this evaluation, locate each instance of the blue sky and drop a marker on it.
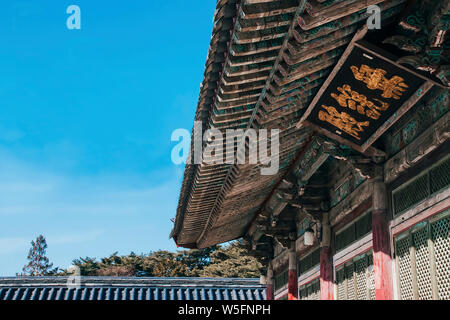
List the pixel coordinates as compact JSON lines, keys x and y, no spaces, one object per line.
{"x":85,"y":123}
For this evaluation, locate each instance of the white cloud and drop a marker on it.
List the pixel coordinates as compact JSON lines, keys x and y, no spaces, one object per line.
{"x":81,"y":214}
{"x":64,"y":239}
{"x":9,"y":245}
{"x":26,"y":189}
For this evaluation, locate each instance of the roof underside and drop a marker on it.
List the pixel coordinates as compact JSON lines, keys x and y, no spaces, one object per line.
{"x":267,"y":60}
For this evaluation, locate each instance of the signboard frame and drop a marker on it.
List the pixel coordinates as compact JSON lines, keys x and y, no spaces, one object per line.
{"x":365,"y":147}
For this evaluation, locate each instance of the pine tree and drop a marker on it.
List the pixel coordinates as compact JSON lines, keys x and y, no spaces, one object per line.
{"x":39,"y":264}
{"x":232,"y":261}
{"x":88,"y":266}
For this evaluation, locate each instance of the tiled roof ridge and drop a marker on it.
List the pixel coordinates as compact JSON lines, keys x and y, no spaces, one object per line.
{"x":129,"y":288}
{"x":86,"y":280}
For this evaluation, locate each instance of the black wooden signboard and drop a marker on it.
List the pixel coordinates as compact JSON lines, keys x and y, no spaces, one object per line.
{"x":363,"y":96}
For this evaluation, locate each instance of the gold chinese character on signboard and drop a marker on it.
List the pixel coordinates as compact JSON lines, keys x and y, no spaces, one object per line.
{"x":355,"y":101}
{"x":343,"y":121}
{"x":376,"y":79}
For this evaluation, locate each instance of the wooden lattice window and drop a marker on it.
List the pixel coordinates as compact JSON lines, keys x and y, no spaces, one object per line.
{"x":355,"y":280}
{"x":309,"y":262}
{"x":281,"y":280}
{"x":354,"y":232}
{"x":310,"y":291}
{"x":423,"y":260}
{"x":421,"y":187}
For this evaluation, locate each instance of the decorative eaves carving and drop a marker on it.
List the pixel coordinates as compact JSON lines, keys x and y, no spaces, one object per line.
{"x":423,"y":35}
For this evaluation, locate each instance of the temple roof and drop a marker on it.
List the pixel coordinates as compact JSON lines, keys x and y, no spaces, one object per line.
{"x":124,"y":288}
{"x":267,"y":60}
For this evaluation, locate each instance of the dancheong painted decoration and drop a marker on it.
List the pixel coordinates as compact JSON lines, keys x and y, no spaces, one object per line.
{"x":360,"y":208}
{"x":363,"y":95}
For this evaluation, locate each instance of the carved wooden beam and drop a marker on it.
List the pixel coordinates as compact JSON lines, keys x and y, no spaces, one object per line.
{"x":424,"y":33}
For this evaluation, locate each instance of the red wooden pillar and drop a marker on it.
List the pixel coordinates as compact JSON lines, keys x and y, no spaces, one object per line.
{"x":269,"y":287}
{"x":382,"y":264}
{"x":326,"y":274}
{"x":326,"y":262}
{"x":293,"y":278}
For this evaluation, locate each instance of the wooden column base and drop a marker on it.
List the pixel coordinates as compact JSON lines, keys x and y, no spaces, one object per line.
{"x":269,"y":292}
{"x":382,"y":264}
{"x":326,"y":274}
{"x":293,"y":285}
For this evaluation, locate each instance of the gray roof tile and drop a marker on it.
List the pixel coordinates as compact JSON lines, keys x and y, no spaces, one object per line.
{"x":114,"y":288}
